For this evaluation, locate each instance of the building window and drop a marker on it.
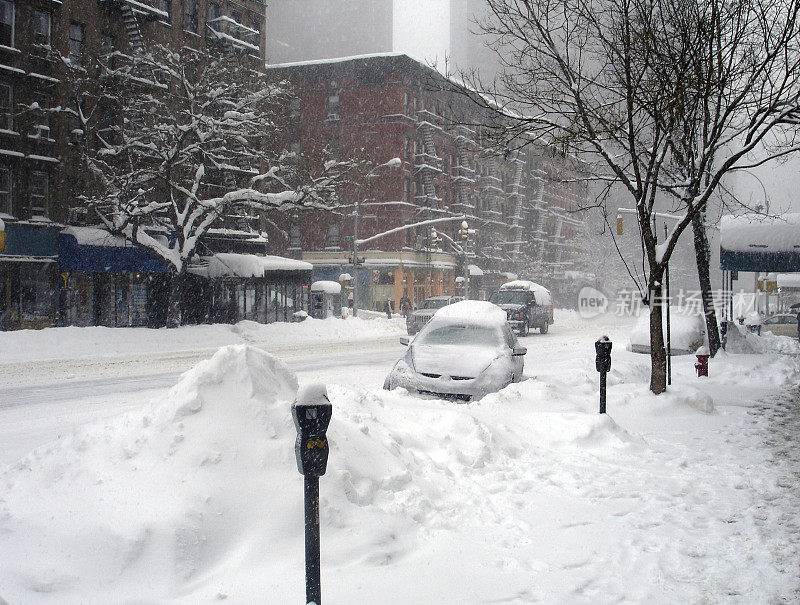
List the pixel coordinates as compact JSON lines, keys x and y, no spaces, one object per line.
{"x":255,"y":36}
{"x":295,"y":108}
{"x":294,"y":237}
{"x":294,"y":147}
{"x":40,"y":116}
{"x":39,"y":192}
{"x":5,"y":190}
{"x":6,"y":116}
{"x":214,"y":13}
{"x":41,"y":28}
{"x":409,"y":191}
{"x":333,"y":106}
{"x":165,"y":6}
{"x":332,"y":236}
{"x":107,"y":46}
{"x":190,"y":16}
{"x":77,"y":35}
{"x":6,"y":23}
{"x":409,"y":150}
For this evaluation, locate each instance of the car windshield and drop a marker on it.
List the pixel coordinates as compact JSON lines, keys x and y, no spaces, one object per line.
{"x":462,"y":334}
{"x":434,"y":303}
{"x":513,"y":297}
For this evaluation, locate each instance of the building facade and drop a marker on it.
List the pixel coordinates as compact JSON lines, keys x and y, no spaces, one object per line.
{"x":39,"y":145}
{"x":521,"y":205}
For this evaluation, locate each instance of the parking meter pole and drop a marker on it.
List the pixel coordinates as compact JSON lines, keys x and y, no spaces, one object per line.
{"x":602,"y":392}
{"x":313,"y":588}
{"x":311,"y":413}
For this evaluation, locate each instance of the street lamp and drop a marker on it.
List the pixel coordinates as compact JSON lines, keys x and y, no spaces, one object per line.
{"x":393,"y":163}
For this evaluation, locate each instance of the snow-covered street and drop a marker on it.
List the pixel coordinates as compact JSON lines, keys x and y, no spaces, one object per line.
{"x":140,"y":492}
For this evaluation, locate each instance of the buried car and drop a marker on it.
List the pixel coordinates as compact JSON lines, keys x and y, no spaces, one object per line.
{"x":464,"y":352}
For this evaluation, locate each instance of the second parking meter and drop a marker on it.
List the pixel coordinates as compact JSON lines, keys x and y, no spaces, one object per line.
{"x":311,"y":412}
{"x":603,"y":364}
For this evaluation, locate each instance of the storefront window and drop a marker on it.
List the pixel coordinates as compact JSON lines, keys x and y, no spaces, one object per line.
{"x":36,"y":301}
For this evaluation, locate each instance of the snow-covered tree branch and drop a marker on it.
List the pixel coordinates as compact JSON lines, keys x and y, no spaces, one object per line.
{"x":194,"y":139}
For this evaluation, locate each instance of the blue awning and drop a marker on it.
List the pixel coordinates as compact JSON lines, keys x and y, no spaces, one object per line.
{"x":113,"y":259}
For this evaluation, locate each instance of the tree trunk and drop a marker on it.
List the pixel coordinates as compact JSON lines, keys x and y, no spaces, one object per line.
{"x":703,"y":259}
{"x":174,"y":301}
{"x":658,"y":353}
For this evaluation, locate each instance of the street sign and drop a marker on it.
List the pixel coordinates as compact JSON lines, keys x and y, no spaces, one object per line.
{"x":348,"y":238}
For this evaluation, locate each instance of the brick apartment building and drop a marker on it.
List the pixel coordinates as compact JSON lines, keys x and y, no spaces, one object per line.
{"x":36,"y":145}
{"x":389,"y":105}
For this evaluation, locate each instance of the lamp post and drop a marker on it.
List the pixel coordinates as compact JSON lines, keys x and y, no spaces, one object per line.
{"x":393,"y":163}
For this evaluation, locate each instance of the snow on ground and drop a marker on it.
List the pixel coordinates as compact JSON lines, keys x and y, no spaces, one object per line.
{"x":526,"y":496}
{"x":74,"y":342}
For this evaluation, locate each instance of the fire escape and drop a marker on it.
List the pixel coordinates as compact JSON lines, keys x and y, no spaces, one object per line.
{"x":492,"y":219}
{"x":516,"y":229}
{"x":428,"y":162}
{"x":233,"y":37}
{"x":464,"y":177}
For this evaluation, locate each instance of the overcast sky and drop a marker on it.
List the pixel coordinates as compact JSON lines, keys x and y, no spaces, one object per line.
{"x":422,"y":28}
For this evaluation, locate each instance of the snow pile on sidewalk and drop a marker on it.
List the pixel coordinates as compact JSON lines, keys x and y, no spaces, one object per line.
{"x":528,"y":495}
{"x":74,"y":342}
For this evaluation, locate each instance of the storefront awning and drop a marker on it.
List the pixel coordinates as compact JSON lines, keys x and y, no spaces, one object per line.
{"x":758,"y":243}
{"x":113,"y":257}
{"x":243,"y":266}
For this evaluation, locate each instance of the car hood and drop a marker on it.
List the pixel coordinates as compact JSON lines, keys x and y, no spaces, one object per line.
{"x":453,"y":360}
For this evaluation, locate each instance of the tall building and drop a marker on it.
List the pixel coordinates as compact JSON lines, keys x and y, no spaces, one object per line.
{"x":36,"y":140}
{"x":433,"y":31}
{"x":469,"y":48}
{"x":391,"y":106}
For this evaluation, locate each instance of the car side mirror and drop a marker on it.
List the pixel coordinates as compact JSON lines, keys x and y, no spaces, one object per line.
{"x":519,"y":351}
{"x":404,"y":340}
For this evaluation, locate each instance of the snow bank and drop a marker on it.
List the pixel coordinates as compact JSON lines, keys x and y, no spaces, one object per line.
{"x":73,"y":342}
{"x":160,"y":497}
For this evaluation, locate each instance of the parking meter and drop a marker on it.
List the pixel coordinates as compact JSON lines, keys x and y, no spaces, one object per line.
{"x":311,"y":412}
{"x":603,"y":349}
{"x":603,"y":364}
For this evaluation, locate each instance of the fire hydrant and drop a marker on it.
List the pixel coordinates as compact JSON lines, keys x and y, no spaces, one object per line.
{"x":701,"y":365}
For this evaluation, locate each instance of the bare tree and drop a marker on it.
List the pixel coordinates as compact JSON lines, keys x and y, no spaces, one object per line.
{"x":657,"y":96}
{"x":188,"y":141}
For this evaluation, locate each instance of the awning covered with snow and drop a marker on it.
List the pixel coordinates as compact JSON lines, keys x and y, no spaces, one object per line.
{"x":245,"y":266}
{"x":789,"y":281}
{"x":95,"y":250}
{"x":753,"y":242}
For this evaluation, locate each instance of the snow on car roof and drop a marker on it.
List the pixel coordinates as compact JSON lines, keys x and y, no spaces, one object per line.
{"x":473,"y":312}
{"x":542,"y":293}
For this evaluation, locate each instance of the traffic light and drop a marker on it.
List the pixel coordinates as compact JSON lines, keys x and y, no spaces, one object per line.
{"x":463,"y":231}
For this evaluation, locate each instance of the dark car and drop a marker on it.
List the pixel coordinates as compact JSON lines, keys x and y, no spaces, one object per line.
{"x":527,"y":304}
{"x":421,"y":316}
